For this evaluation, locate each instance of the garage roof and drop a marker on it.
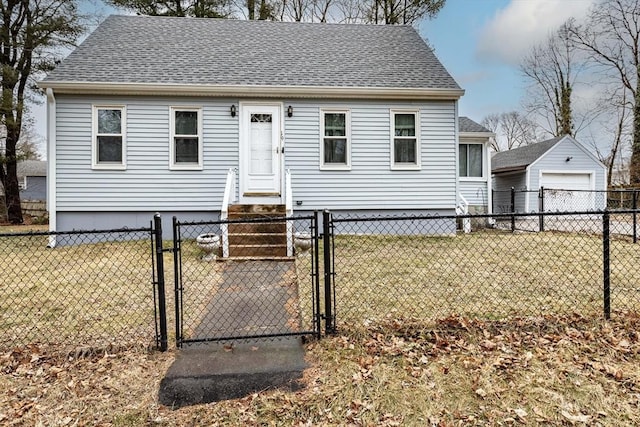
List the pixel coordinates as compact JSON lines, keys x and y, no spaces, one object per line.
{"x":519,"y":158}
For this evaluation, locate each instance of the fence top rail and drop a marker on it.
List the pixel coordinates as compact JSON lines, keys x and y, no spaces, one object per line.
{"x":77,"y":232}
{"x":243,"y":220}
{"x":494,"y":215}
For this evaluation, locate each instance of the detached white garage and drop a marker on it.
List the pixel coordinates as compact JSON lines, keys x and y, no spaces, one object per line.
{"x":572,"y":177}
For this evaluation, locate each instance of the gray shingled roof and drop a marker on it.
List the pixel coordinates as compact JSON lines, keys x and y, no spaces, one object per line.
{"x":465,"y":124}
{"x":169,"y":50}
{"x":520,"y":158}
{"x":31,"y":168}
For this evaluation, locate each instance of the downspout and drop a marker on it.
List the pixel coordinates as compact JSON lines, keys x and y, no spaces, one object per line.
{"x":51,"y":164}
{"x":455,"y":156}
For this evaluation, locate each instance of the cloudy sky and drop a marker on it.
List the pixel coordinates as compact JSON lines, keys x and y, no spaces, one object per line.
{"x":480,"y":42}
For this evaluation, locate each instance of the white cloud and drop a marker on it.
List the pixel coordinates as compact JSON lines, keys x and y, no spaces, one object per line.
{"x":524,"y":23}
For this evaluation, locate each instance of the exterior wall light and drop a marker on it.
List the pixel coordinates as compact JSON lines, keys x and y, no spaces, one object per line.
{"x":289,"y":111}
{"x":233,"y":110}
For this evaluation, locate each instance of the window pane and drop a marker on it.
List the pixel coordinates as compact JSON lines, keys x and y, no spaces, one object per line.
{"x":186,"y":122}
{"x":261,"y":118}
{"x":475,"y":160}
{"x":186,"y":150}
{"x":109,"y":149}
{"x":405,"y":124}
{"x":335,"y":150}
{"x":109,"y":121}
{"x":462,"y":161}
{"x":405,"y":150}
{"x":335,"y":124}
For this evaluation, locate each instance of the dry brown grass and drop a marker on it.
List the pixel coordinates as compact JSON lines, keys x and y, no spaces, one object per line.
{"x":485,"y":274}
{"x":400,"y":357}
{"x":538,"y":371}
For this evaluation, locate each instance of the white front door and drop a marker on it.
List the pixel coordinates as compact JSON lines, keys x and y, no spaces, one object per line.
{"x":260,"y":151}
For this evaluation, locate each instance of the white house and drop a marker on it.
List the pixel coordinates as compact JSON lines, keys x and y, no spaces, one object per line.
{"x":161,"y":114}
{"x":574,"y":178}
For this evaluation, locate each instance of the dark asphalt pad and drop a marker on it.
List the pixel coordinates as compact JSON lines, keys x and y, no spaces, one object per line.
{"x":206,"y":373}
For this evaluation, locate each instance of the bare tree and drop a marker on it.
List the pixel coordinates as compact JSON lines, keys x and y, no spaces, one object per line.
{"x":195,"y":8}
{"x":512,"y":130}
{"x":611,"y":37}
{"x":552,"y":69}
{"x":617,"y":126}
{"x":391,"y":12}
{"x":31,"y":32}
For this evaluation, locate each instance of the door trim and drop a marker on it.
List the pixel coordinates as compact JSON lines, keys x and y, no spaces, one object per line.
{"x":243,"y":129}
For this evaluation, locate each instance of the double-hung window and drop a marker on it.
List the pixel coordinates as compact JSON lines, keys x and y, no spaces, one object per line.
{"x":470,"y":160}
{"x":109,"y":137}
{"x":186,"y":138}
{"x":335,"y":144}
{"x":405,"y":140}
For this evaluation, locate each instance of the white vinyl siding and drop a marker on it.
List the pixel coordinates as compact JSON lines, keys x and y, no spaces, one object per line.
{"x":147,"y":184}
{"x":502,"y":192}
{"x":109,"y":137}
{"x":371,"y":184}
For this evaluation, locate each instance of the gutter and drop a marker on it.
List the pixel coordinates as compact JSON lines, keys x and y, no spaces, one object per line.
{"x":110,"y":88}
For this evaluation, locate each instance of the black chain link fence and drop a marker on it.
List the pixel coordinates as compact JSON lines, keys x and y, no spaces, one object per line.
{"x":563,"y":200}
{"x":97,"y":289}
{"x":76,"y":291}
{"x":585,"y":263}
{"x":244,"y":279}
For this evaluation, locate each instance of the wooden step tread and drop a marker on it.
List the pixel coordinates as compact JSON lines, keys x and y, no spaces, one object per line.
{"x":266,"y":245}
{"x":257,"y":209}
{"x":258,"y":258}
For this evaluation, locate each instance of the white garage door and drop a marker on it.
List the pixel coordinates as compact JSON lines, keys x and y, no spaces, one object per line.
{"x":562,"y":192}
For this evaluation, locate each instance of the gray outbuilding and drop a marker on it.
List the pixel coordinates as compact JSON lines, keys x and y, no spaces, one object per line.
{"x":572,"y":177}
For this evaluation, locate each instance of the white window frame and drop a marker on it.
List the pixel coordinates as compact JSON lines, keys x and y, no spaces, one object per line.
{"x":95,"y":164}
{"x":336,"y":166}
{"x":483,"y":177}
{"x":172,"y":135}
{"x":392,"y":130}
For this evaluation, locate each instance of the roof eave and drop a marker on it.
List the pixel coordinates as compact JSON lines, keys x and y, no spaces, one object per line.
{"x":510,"y":169}
{"x":476,"y":135}
{"x":100,"y":88}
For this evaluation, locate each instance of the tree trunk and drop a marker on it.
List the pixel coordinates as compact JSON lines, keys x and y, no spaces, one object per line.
{"x":12,"y":194}
{"x":11,"y":188}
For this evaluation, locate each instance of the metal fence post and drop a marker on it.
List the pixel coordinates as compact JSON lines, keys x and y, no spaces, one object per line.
{"x":162,"y":301}
{"x":316,"y":283}
{"x":513,"y":209}
{"x":177,"y":282}
{"x":635,"y":216}
{"x":541,"y":208}
{"x":328,"y":273}
{"x":606,"y":268}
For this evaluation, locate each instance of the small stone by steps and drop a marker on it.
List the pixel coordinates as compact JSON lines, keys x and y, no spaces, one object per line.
{"x":257,"y":239}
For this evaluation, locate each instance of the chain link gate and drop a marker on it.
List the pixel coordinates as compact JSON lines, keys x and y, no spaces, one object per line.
{"x":246,"y":279}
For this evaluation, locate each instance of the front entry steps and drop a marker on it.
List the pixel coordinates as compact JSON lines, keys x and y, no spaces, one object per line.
{"x":259,"y":240}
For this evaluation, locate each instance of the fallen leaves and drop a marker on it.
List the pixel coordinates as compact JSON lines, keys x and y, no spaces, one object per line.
{"x":402,"y":371}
